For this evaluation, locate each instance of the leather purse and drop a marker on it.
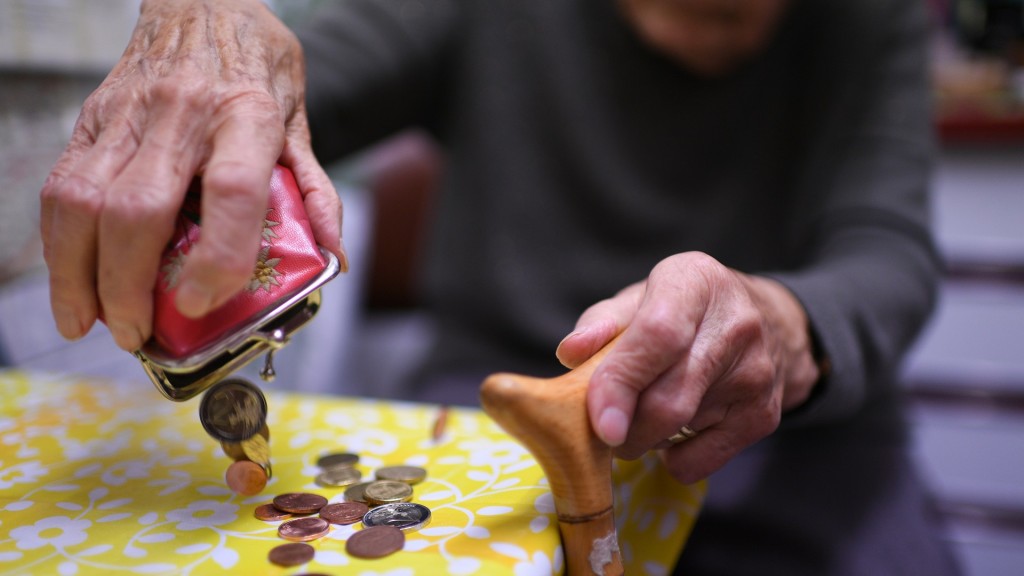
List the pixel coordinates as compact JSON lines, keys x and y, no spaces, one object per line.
{"x":187,"y":355}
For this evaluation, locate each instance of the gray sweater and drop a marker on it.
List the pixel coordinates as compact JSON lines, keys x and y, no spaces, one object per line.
{"x":577,"y":158}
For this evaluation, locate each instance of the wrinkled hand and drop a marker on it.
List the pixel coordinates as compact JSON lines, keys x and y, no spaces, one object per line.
{"x":214,"y":88}
{"x":702,"y":345}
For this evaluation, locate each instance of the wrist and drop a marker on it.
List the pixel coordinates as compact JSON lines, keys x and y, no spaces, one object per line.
{"x":800,"y":361}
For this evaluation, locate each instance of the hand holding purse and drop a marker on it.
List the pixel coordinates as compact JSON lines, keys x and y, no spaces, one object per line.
{"x":187,"y":355}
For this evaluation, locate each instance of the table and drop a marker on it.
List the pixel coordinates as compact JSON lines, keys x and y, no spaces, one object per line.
{"x":108,"y":477}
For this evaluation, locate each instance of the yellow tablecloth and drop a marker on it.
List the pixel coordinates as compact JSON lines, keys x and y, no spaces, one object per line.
{"x":110,"y":478}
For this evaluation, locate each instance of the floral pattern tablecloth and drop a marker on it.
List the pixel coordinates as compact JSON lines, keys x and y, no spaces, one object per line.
{"x":102,"y":477}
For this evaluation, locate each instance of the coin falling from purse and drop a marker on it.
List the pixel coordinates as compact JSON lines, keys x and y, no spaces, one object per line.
{"x":188,"y":356}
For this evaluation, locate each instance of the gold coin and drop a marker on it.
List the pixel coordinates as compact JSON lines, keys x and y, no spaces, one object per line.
{"x":338,"y":476}
{"x":387,"y":492}
{"x":337,"y":459}
{"x":256,"y":449}
{"x":233,"y":410}
{"x":233,"y":450}
{"x":355,"y":492}
{"x":408,"y":474}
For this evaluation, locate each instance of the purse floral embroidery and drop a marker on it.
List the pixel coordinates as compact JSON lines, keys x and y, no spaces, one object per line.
{"x":265,"y":274}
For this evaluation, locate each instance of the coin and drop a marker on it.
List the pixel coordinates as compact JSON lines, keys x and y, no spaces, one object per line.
{"x":270,"y":513}
{"x":246,"y":478}
{"x":344,"y":512}
{"x":375,"y":542}
{"x":233,"y":450}
{"x":304,"y":529}
{"x":337,"y":459}
{"x":338,"y":476}
{"x":408,"y":474}
{"x":401,"y":515}
{"x":387,"y":491}
{"x":256,"y":448}
{"x":292,"y":554}
{"x":233,"y":410}
{"x":355,"y":493}
{"x":299,"y":502}
{"x":236,"y":451}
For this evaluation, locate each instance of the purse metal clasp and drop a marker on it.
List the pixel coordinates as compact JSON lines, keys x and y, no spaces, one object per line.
{"x":179,"y":379}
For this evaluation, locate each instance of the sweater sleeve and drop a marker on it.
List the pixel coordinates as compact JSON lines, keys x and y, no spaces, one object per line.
{"x":373,"y":67}
{"x":869,"y":270}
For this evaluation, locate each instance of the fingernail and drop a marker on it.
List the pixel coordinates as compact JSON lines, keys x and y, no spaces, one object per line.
{"x":126,"y":336}
{"x":69,"y":327}
{"x":343,"y":261}
{"x":577,"y":332}
{"x":193,"y":300}
{"x":612,"y":426}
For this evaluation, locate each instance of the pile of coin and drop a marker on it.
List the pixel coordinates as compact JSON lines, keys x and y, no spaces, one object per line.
{"x":234,"y":412}
{"x":383,"y":506}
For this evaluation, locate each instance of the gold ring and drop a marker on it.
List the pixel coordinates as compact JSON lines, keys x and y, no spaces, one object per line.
{"x":684,"y":434}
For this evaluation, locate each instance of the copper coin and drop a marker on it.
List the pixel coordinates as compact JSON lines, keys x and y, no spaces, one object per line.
{"x":355,"y":493}
{"x":246,"y":478}
{"x":299,"y":502}
{"x":337,"y":459}
{"x":292,"y":554}
{"x":233,"y":410}
{"x":375,"y":542}
{"x":304,"y":529}
{"x":270,"y":513}
{"x":344,"y":512}
{"x":408,"y":474}
{"x":386,"y":492}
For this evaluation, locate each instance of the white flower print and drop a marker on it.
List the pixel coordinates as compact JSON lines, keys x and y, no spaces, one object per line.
{"x":57,"y":531}
{"x":203,"y":514}
{"x":24,"y":473}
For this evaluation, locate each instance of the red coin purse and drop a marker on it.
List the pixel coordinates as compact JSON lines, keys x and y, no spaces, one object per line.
{"x":187,"y":355}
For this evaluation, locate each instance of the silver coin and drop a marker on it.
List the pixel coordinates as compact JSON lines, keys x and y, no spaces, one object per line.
{"x":233,"y":410}
{"x":405,"y":516}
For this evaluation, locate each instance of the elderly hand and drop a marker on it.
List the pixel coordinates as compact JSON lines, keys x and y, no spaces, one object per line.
{"x":702,"y":346}
{"x":214,"y":88}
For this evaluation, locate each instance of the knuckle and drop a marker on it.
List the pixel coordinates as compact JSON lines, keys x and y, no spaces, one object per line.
{"x":187,"y":91}
{"x":144,"y":206}
{"x":254,"y":104}
{"x":701,"y":262}
{"x":76,"y":193}
{"x":92,"y":107}
{"x":233,"y":181}
{"x":662,"y":324}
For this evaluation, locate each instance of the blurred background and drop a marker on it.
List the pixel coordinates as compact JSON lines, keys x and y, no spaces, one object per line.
{"x":965,"y":376}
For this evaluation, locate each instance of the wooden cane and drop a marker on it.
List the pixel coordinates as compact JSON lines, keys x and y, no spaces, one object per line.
{"x":549,"y":416}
